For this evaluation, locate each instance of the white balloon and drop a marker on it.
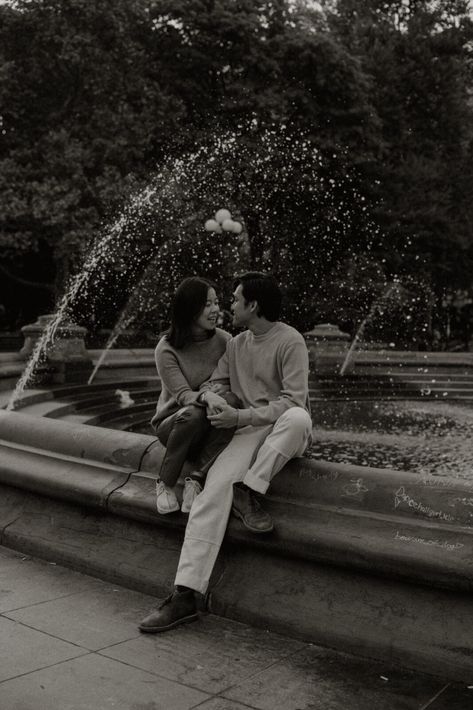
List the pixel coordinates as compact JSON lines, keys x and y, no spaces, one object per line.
{"x":222,"y":215}
{"x":211,"y":225}
{"x":228,"y":225}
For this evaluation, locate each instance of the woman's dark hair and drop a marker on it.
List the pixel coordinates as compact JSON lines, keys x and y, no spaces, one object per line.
{"x":264,"y":289}
{"x":187,"y":304}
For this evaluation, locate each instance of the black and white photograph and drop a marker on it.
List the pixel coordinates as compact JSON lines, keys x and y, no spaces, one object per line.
{"x":236,"y":354}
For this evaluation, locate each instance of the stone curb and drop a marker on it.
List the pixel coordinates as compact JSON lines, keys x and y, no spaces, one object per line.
{"x":372,"y":561}
{"x":394,"y":523}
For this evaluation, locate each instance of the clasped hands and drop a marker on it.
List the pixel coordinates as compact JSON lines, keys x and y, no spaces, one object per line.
{"x":220,"y":414}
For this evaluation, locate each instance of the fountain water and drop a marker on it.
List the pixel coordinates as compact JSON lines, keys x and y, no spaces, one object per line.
{"x":81,"y":281}
{"x":359,"y":333}
{"x":297,"y":220}
{"x":122,"y":323}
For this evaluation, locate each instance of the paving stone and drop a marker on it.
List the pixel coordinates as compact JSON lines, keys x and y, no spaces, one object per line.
{"x":211,"y":654}
{"x":95,"y":683}
{"x":318,"y":679}
{"x":93,"y":619}
{"x":455,"y":697}
{"x":25,"y":581}
{"x":23,"y":650}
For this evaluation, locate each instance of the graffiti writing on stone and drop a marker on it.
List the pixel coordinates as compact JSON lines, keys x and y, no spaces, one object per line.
{"x":463,"y":501}
{"x":401,"y":496}
{"x":318,"y":475}
{"x":443,"y":544}
{"x":444,"y":483}
{"x":355,"y":489}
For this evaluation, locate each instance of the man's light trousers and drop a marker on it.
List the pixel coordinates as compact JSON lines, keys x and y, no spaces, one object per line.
{"x":254,"y":455}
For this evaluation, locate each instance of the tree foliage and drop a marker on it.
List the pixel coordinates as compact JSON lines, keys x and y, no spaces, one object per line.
{"x":97,"y":97}
{"x":419,"y":55}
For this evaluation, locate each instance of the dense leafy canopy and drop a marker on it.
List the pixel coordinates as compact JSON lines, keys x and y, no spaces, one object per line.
{"x":98,"y":97}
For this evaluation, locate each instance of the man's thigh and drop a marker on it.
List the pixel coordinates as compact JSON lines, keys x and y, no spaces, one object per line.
{"x":235,"y":460}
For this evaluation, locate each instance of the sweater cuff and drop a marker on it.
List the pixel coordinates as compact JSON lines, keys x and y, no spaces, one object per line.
{"x":244,"y":417}
{"x":191,"y":398}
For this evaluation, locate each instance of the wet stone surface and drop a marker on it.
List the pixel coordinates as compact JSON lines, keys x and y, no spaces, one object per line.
{"x":429,"y":438}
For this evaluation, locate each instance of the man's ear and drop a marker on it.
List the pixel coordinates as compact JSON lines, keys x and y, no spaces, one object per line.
{"x":254,"y":306}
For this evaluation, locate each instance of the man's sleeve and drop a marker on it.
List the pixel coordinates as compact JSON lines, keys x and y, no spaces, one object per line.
{"x":294,"y":368}
{"x":173,"y":379}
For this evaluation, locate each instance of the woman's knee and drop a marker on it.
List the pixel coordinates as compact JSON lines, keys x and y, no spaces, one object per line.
{"x":190,"y":414}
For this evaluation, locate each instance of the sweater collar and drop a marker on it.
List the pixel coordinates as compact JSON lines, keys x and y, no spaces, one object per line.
{"x":268,"y":334}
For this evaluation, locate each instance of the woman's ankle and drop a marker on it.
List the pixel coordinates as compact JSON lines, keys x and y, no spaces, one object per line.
{"x":165,"y":485}
{"x":196,"y":476}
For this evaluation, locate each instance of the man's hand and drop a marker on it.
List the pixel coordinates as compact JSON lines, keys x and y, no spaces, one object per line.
{"x":225,"y":418}
{"x":213,"y":401}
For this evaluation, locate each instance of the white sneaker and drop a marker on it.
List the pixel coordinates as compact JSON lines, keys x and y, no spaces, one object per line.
{"x":192,"y":489}
{"x":166,"y":501}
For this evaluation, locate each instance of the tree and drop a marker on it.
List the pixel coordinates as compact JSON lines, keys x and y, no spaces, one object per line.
{"x":419,"y":56}
{"x":83,"y":108}
{"x":99,"y":95}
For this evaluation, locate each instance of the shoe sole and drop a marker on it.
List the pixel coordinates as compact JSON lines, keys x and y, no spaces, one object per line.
{"x":178,"y":622}
{"x":239,"y":515}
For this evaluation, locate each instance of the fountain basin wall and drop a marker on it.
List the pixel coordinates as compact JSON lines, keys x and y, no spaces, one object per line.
{"x":371,"y":561}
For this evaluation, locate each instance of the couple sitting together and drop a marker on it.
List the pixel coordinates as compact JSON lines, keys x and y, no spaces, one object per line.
{"x":237,"y":409}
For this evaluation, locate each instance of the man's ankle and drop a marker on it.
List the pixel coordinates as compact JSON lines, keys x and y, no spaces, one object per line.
{"x":242,"y":486}
{"x":181,"y":589}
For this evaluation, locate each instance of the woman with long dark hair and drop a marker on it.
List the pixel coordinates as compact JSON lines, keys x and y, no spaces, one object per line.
{"x":185,"y":358}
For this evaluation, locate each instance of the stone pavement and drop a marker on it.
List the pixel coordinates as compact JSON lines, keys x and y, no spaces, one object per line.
{"x":70,"y":642}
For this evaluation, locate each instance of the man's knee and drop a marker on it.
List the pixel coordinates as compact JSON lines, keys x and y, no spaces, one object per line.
{"x":297,"y":419}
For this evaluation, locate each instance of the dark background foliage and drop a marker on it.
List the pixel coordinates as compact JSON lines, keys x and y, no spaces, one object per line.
{"x":97,"y":97}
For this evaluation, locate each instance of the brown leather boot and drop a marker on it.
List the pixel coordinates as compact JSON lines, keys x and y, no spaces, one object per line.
{"x":246,"y":507}
{"x":178,"y":608}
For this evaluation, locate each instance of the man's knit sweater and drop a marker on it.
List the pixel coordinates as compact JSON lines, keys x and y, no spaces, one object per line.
{"x":183,"y":371}
{"x":269,"y":373}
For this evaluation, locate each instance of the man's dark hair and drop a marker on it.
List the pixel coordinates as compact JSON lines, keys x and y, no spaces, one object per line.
{"x":187,"y":304}
{"x":263,"y":288}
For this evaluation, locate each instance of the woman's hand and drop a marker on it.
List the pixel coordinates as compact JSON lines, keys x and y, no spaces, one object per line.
{"x":213,"y":401}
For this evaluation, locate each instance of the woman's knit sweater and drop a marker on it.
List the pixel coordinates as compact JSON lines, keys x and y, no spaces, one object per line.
{"x":183,"y":371}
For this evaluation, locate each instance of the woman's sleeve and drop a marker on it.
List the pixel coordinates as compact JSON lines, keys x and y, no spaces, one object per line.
{"x":173,"y":379}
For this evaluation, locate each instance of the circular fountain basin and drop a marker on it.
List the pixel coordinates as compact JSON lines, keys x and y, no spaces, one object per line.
{"x":424,"y":437}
